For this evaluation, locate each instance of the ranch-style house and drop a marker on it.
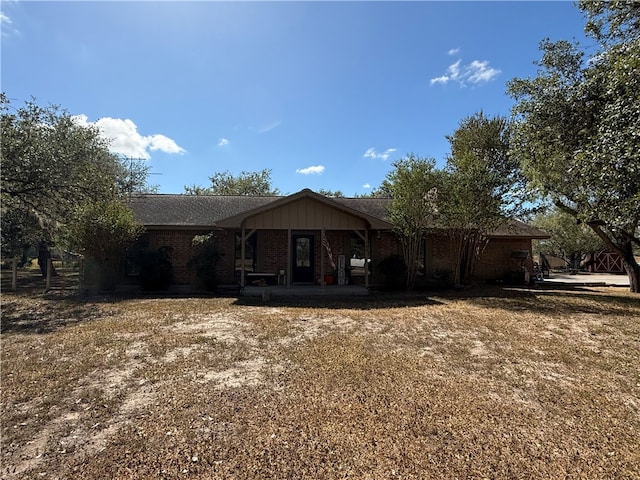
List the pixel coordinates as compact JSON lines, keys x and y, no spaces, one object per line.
{"x":309,"y":239}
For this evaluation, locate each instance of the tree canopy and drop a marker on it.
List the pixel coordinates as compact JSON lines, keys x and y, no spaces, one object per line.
{"x":51,"y":167}
{"x":570,"y":240}
{"x":245,"y":183}
{"x":50,"y":163}
{"x":483,"y":186}
{"x":412,"y":186}
{"x":577,"y":132}
{"x":102,"y":230}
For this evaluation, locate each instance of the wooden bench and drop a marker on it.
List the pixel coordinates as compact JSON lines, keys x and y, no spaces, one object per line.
{"x":261,"y":279}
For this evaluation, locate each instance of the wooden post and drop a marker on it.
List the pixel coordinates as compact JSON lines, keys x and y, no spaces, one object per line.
{"x":243,"y":239}
{"x":366,"y":258}
{"x":81,"y":274}
{"x":289,"y":257}
{"x":322,"y":240}
{"x":14,"y":274}
{"x":49,"y":268}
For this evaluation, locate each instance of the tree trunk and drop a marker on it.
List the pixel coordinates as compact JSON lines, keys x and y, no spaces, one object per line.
{"x":625,"y":250}
{"x":633,"y":271}
{"x":458,"y":243}
{"x":410,"y":246}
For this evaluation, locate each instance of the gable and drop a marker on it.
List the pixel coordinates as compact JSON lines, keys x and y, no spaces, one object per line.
{"x":303,"y":211}
{"x":305,"y":214}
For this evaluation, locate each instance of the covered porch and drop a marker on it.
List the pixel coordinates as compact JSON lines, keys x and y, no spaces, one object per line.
{"x":282,"y":291}
{"x":304,"y":246}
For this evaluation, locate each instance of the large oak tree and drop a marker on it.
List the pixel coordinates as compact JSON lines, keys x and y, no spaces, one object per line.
{"x":55,"y":169}
{"x":577,"y":127}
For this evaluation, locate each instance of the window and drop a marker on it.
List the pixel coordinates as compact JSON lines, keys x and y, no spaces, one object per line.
{"x":133,"y":255}
{"x":249,"y":253}
{"x":357,"y":258}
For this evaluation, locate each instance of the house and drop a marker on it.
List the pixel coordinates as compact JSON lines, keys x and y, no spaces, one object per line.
{"x":307,"y":238}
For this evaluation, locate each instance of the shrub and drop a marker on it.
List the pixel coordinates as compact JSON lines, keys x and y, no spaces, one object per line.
{"x":102,"y":231}
{"x":156,"y":270}
{"x":444,"y":278}
{"x":393,"y":270}
{"x":205,"y":260}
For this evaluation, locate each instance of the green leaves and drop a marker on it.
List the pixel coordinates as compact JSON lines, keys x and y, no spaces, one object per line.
{"x":577,"y":129}
{"x":102,"y":230}
{"x":245,"y":183}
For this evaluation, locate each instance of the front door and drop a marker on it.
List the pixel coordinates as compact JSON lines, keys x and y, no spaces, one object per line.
{"x":303,"y":255}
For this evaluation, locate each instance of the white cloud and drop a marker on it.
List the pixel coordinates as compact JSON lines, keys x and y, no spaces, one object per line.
{"x":125,"y":139}
{"x":481,"y":72}
{"x":475,"y":72}
{"x":453,"y":51}
{"x":366,"y":185}
{"x":222,"y":142}
{"x":312,"y":170}
{"x":442,"y":79}
{"x":6,"y":25}
{"x":371,"y":153}
{"x":267,"y":127}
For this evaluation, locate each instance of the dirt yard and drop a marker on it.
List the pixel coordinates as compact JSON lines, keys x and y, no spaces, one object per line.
{"x":492,"y":383}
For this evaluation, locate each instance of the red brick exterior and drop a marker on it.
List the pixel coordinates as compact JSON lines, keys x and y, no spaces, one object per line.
{"x":496,"y":261}
{"x":272,"y":253}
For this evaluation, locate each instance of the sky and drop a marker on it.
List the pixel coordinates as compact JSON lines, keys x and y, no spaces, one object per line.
{"x":327,"y":95}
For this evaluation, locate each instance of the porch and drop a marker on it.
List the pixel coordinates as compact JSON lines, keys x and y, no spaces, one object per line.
{"x":280,"y":291}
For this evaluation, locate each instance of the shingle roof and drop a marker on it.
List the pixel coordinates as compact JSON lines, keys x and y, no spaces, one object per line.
{"x":191,"y":210}
{"x":205,"y":211}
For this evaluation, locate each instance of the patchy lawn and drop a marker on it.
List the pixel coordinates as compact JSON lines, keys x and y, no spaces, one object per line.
{"x":498,"y":383}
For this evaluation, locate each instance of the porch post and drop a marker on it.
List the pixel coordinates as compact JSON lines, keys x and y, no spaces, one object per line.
{"x":366,"y":258}
{"x":322,"y":237}
{"x":242,"y":252}
{"x":289,"y":255}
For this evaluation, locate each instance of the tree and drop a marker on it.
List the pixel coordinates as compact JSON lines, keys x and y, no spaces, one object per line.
{"x":133,"y":177}
{"x":483,"y":186}
{"x":50,"y":165}
{"x":331,"y":193}
{"x":205,"y":259}
{"x":577,"y":131}
{"x":245,"y":183}
{"x":102,"y":230}
{"x":570,"y":239}
{"x":412,"y":186}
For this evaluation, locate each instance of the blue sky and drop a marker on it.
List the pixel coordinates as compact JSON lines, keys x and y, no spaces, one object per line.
{"x":326,"y":95}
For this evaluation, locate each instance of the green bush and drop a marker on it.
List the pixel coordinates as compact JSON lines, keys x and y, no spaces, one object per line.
{"x":205,"y":261}
{"x":156,"y":269}
{"x":444,"y":278}
{"x":102,"y":231}
{"x":393,"y":270}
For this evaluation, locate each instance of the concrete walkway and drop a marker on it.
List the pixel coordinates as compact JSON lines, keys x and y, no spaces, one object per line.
{"x":305,"y":291}
{"x":588,"y":279}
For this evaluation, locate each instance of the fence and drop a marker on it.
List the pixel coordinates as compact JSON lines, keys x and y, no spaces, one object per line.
{"x":60,"y":275}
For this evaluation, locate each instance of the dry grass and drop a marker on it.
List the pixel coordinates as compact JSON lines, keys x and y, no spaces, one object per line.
{"x":484,"y":384}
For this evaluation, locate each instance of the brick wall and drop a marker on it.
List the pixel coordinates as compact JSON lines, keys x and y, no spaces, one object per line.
{"x":273,"y":250}
{"x":182,"y":251}
{"x":494,"y":263}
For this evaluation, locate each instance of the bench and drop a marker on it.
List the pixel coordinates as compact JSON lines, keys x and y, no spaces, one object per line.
{"x":261,"y":279}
